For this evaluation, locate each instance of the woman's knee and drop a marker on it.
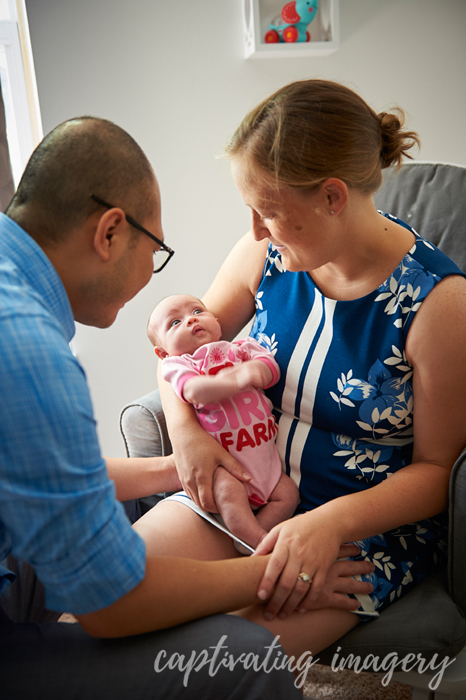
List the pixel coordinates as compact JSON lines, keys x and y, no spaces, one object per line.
{"x":173,"y":529}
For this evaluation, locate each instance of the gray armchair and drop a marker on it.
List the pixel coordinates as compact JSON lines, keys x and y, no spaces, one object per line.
{"x":430,"y":620}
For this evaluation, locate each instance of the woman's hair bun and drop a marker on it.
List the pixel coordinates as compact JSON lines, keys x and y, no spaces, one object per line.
{"x":395,"y":143}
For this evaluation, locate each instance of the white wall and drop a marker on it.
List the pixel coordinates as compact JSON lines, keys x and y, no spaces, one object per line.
{"x":173,"y":75}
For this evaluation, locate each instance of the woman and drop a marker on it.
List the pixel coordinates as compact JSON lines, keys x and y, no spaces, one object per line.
{"x":367,"y":322}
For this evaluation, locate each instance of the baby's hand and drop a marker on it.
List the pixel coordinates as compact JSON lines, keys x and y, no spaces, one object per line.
{"x":254,"y":373}
{"x":226,"y":383}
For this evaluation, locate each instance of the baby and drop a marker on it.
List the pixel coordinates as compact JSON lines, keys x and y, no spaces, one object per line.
{"x":223,"y":382}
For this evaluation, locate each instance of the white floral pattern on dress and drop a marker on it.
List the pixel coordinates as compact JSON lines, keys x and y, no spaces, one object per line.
{"x":406,"y":288}
{"x":385,"y":411}
{"x":362,"y":391}
{"x":273,"y":258}
{"x":257,"y":332}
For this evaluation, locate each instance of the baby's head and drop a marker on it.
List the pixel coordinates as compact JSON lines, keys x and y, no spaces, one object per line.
{"x":181,"y":324}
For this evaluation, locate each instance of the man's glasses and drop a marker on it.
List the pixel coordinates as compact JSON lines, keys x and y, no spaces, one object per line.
{"x":162,"y":256}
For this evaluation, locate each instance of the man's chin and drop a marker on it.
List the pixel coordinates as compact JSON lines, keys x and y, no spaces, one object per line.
{"x":98,"y":321}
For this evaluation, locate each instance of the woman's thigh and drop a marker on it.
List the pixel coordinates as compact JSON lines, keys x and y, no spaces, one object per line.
{"x":310,"y":632}
{"x":173,"y":529}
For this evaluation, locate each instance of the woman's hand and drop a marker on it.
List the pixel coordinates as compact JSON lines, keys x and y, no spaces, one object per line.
{"x":308,"y":543}
{"x":340,"y":583}
{"x":197,"y":457}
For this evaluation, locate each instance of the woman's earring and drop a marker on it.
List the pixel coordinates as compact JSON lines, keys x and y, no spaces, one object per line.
{"x":332,"y":212}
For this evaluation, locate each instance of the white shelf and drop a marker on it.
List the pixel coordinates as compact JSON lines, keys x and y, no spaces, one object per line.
{"x":324,"y":30}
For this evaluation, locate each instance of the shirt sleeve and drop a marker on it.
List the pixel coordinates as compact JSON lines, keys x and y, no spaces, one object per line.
{"x":57,"y":504}
{"x":256,"y":351}
{"x":177,"y":370}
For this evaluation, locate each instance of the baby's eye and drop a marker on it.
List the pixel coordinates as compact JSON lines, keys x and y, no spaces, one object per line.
{"x":175,"y":322}
{"x":197,"y":311}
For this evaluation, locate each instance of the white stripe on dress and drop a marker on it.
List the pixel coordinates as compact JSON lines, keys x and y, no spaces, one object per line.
{"x":299,"y":355}
{"x":284,"y":426}
{"x":315,"y":366}
{"x":297,"y":448}
{"x":297,"y":445}
{"x":298,"y":358}
{"x":310,"y":383}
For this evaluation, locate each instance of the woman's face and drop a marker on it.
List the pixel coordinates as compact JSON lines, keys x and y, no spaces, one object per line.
{"x":296,"y":222}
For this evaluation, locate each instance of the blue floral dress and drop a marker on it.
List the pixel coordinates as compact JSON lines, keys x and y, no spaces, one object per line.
{"x":344,"y":402}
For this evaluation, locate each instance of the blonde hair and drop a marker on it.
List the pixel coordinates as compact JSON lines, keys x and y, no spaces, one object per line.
{"x":311,"y":130}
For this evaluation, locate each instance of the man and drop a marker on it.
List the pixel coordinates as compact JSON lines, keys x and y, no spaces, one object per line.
{"x":71,"y":248}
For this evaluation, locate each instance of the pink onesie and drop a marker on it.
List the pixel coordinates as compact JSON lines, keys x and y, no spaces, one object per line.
{"x":243,"y":424}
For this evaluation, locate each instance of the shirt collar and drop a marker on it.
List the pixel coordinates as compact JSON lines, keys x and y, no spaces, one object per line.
{"x":38,"y":271}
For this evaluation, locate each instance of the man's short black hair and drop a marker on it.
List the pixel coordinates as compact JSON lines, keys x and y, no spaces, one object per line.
{"x":80,"y":157}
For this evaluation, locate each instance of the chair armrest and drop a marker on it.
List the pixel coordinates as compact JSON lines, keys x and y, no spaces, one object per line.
{"x":144,"y":431}
{"x":457,"y":533}
{"x":143,"y":427}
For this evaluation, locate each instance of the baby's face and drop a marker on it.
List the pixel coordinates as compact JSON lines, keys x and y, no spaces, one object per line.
{"x":182,"y":324}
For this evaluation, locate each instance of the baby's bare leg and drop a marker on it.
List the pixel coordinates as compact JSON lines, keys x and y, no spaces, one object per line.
{"x":232,"y":501}
{"x":282,"y":504}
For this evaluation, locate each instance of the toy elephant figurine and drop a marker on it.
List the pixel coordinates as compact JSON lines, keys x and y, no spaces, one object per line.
{"x":296,"y":17}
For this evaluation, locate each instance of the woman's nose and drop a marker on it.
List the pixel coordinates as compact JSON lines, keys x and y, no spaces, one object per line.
{"x":258,"y":228}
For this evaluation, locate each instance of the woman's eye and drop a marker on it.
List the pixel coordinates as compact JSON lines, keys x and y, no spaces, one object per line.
{"x":265,"y":217}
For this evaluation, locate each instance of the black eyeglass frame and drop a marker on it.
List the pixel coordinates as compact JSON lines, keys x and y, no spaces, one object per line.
{"x":134,"y":223}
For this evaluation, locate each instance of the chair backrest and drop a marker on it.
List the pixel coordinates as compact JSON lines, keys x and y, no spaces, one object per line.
{"x":430,"y":197}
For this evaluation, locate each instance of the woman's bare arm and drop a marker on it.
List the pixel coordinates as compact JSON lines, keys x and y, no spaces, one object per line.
{"x":232,"y":293}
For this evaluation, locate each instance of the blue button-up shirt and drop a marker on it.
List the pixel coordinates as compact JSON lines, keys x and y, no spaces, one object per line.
{"x":57,"y":505}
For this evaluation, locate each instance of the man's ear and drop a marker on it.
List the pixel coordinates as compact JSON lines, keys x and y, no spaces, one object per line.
{"x":160,"y":352}
{"x":109,"y":224}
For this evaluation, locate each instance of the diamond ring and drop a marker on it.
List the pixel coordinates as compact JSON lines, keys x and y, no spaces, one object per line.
{"x":304,"y":577}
